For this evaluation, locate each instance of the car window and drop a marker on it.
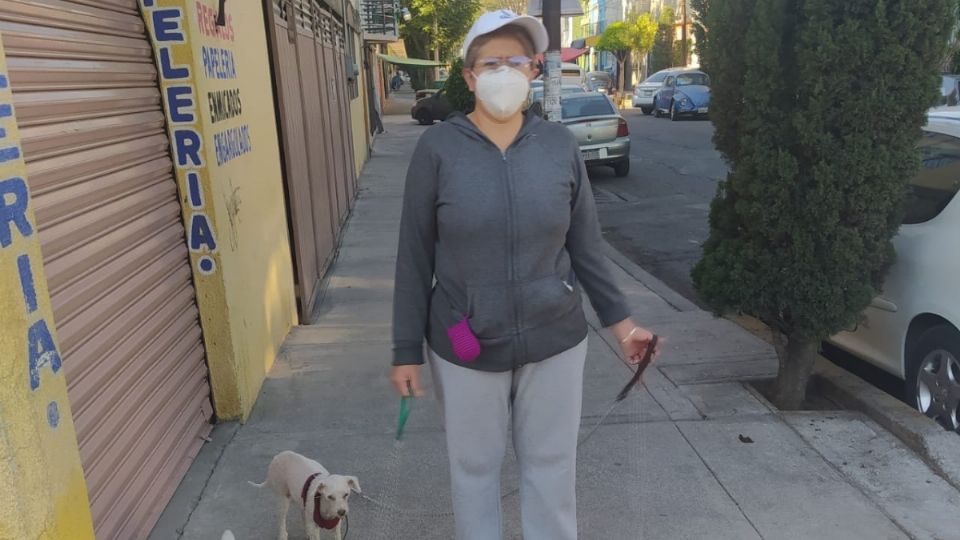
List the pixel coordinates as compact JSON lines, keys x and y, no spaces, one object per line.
{"x":689,"y":79}
{"x":656,"y":78}
{"x":570,"y":72}
{"x":591,"y":106}
{"x":949,"y":94}
{"x":932,"y":189}
{"x":571,"y":90}
{"x":668,"y":81}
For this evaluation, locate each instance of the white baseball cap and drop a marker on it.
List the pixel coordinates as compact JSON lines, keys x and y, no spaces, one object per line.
{"x":495,"y":20}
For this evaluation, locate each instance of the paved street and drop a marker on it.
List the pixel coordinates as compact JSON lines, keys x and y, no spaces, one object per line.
{"x":657,"y":216}
{"x":694,"y":454}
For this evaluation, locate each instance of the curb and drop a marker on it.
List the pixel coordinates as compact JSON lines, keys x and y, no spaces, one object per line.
{"x":936,"y":446}
{"x":675,"y":299}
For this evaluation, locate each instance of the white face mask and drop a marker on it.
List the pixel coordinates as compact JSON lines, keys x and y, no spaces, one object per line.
{"x":502,"y":91}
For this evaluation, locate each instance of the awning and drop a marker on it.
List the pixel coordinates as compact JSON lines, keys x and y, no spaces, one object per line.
{"x":399,"y":60}
{"x":569,"y":54}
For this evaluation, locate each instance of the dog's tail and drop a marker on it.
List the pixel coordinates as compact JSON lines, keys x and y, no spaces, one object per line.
{"x":260,"y":485}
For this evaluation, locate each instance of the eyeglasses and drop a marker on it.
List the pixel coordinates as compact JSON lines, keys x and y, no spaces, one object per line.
{"x":493,"y":62}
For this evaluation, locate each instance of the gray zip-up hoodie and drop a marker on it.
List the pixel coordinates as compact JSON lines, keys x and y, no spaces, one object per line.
{"x":509,"y":237}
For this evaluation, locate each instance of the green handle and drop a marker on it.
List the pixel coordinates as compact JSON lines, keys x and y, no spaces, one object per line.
{"x":404,"y":414}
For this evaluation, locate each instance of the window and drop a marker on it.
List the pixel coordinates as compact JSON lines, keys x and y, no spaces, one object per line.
{"x":570,"y":73}
{"x":668,"y":82}
{"x":932,"y":189}
{"x":581,"y":107}
{"x":656,"y":77}
{"x":690,"y":79}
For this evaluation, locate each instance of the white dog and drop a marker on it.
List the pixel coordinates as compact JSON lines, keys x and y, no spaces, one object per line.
{"x":323,"y":496}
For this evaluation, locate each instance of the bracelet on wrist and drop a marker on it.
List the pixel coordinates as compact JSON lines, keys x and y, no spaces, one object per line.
{"x":624,"y":340}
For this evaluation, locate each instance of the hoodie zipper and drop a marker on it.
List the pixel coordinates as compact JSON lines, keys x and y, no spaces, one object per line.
{"x":521,"y":351}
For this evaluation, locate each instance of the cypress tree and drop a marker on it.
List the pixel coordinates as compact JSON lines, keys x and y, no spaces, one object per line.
{"x":458,"y":93}
{"x":818,"y":107}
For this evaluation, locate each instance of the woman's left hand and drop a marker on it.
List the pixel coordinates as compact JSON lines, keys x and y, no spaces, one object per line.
{"x":634,"y":341}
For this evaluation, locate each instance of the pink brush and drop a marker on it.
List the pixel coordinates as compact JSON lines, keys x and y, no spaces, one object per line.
{"x":465,"y":344}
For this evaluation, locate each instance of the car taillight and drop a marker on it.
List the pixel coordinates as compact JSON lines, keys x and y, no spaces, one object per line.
{"x":622,"y":129}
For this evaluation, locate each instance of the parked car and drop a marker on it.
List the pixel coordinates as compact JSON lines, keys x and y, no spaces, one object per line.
{"x":434,"y":87}
{"x":572,"y":74}
{"x":949,"y":91}
{"x":602,"y":133}
{"x":600,"y":81}
{"x":684,"y":93}
{"x":535,"y":101}
{"x":912,"y":329}
{"x":430,"y":109}
{"x":644,"y":92}
{"x":598,"y":86}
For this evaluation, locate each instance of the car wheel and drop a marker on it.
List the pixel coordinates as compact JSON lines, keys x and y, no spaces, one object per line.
{"x":933,"y":375}
{"x":622,"y":168}
{"x":647,"y":110}
{"x":424,"y":118}
{"x":673,"y":112}
{"x":656,"y":111}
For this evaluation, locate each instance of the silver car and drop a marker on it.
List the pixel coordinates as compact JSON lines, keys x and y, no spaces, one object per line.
{"x":602,"y":133}
{"x":644,"y":92}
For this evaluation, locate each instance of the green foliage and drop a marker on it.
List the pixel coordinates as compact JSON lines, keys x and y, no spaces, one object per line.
{"x":458,"y":93}
{"x":436,"y":22}
{"x":616,"y":39}
{"x":643,"y":33}
{"x":661,"y":56}
{"x":818,"y":105}
{"x":516,"y":6}
{"x":699,"y":10}
{"x":677,"y":58}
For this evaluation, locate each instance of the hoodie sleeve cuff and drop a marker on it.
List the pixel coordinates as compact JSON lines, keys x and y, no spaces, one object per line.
{"x":613,"y":314}
{"x":408,"y":355}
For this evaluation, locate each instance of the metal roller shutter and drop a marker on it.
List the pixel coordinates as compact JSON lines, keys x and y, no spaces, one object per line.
{"x":88,"y":105}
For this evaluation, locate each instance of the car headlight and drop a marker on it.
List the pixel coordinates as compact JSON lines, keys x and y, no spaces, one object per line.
{"x":685,"y":102}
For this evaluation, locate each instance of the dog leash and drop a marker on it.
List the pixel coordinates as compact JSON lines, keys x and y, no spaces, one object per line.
{"x":621,"y":397}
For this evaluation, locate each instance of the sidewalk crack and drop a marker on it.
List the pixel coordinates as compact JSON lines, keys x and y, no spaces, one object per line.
{"x":206,"y":482}
{"x":719,"y":483}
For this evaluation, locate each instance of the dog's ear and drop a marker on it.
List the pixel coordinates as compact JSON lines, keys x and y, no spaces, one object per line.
{"x":354,"y":483}
{"x":319,"y":490}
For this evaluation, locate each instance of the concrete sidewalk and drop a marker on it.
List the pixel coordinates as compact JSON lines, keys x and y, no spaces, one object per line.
{"x":669,"y":463}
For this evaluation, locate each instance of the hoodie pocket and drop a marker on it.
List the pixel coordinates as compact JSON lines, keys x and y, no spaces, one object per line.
{"x":494,"y":308}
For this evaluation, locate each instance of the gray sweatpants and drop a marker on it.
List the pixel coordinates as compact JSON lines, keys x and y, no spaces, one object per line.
{"x":544,"y":400}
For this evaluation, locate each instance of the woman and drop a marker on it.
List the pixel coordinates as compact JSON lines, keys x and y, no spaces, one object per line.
{"x":498,"y":210}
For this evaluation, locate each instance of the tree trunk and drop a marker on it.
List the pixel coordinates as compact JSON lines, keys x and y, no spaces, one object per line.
{"x":796,"y":355}
{"x":620,"y":76}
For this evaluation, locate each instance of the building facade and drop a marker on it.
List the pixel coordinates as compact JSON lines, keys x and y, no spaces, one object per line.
{"x":175,"y":177}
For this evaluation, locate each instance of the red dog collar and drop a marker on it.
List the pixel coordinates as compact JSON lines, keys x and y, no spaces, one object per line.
{"x":317,"y":518}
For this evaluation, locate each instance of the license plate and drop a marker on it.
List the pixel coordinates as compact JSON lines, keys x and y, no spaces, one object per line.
{"x":703,"y":110}
{"x":648,"y":93}
{"x":590,"y":155}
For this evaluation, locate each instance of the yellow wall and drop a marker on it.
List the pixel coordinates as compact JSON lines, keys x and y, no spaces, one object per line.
{"x":358,"y":114}
{"x":43,"y":494}
{"x":233,"y":200}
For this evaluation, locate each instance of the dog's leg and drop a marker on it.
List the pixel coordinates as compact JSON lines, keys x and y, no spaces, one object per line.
{"x":284,"y":508}
{"x":337,"y":534}
{"x":313,"y":531}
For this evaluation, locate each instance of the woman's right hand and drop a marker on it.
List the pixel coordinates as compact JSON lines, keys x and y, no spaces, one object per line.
{"x":405,"y":378}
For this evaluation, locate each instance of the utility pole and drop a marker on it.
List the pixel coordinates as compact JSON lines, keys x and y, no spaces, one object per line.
{"x":683,"y":34}
{"x":551,"y":86}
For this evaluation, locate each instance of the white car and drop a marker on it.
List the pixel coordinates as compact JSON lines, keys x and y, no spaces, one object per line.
{"x":911,"y":329}
{"x":644,"y":92}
